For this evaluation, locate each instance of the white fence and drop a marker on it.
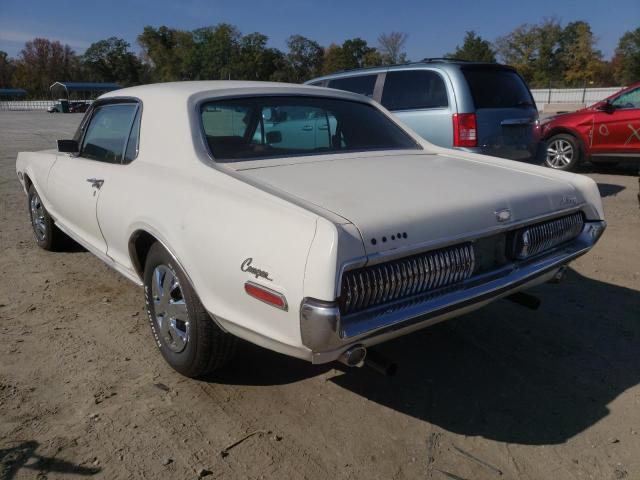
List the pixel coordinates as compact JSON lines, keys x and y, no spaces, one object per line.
{"x":26,"y":104}
{"x":586,"y":96}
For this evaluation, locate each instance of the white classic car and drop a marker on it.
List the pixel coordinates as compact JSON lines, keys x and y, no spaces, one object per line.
{"x":306,"y":220}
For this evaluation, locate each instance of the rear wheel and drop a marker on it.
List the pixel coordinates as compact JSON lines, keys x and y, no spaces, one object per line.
{"x":47,"y":234}
{"x":186,"y":335}
{"x":563,"y":152}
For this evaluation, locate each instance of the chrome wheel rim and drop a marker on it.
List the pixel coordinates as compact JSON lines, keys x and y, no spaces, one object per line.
{"x":559,"y":154}
{"x":170,"y":309}
{"x":37,"y":217}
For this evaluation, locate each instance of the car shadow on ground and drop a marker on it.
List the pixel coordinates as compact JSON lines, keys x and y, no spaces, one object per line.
{"x":609,"y":189}
{"x":22,"y":456}
{"x":515,"y":375}
{"x":625,"y":167}
{"x":503,"y":372}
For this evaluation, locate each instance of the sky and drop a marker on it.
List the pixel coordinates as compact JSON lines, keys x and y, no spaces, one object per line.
{"x":434,"y":28}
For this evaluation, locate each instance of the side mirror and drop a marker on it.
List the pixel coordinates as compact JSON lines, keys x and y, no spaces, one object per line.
{"x":606,"y":107}
{"x":68,"y":146}
{"x":274,"y":136}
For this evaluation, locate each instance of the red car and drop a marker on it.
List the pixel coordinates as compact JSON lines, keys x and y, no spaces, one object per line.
{"x":607,"y":131}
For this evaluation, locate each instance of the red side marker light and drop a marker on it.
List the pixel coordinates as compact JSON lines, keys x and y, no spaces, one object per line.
{"x":266,"y":295}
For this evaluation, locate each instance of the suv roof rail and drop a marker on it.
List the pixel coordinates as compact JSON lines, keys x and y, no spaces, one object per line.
{"x":445,"y":60}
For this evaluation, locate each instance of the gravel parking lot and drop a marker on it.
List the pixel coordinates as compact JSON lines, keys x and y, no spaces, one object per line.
{"x":501,"y":393}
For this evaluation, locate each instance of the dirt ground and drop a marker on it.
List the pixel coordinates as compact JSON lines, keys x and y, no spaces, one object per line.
{"x":503,"y":393}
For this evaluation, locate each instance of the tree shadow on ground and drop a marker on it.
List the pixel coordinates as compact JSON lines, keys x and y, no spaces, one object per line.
{"x":23,"y":455}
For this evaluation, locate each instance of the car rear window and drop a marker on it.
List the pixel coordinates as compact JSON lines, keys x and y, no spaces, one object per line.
{"x":497,"y":88}
{"x":414,"y":89}
{"x":268,"y":127}
{"x":362,"y":84}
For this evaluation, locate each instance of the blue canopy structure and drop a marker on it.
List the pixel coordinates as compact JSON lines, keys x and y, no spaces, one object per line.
{"x":62,"y":89}
{"x":12,"y":93}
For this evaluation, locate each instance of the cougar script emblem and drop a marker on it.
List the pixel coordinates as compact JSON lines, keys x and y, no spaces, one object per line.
{"x":246,"y":267}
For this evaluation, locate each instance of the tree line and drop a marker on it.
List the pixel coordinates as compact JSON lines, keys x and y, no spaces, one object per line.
{"x":545,"y":54}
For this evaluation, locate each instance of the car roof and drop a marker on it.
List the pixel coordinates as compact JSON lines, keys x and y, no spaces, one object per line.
{"x":443,"y":63}
{"x":182,"y":91}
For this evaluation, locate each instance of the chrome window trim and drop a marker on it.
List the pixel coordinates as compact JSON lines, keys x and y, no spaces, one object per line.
{"x":106,"y":102}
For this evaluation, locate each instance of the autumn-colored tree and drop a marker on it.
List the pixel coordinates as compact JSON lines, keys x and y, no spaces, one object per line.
{"x":474,"y":48}
{"x":43,"y":62}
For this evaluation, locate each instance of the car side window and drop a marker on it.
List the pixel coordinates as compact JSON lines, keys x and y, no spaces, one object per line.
{"x":108,"y":131}
{"x":414,"y":89}
{"x":362,"y":84}
{"x":630,"y":99}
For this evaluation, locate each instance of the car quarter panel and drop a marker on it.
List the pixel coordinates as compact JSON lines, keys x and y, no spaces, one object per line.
{"x":36,"y":166}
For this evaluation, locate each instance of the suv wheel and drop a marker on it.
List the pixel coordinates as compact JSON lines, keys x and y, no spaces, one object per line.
{"x":563,"y":152}
{"x":186,"y":335}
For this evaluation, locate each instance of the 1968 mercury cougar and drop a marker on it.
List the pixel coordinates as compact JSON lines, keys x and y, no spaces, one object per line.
{"x":306,"y":220}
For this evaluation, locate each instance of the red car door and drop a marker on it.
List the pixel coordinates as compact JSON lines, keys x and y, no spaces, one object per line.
{"x":617,"y":131}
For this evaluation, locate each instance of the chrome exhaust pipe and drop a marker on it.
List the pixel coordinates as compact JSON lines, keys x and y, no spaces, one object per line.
{"x":559,"y":276}
{"x":380,"y":364}
{"x":354,"y":356}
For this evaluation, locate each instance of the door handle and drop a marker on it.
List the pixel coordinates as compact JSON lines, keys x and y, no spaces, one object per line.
{"x":307,"y":128}
{"x":95,"y":182}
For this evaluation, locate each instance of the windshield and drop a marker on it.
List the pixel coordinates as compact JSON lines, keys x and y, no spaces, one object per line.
{"x":497,"y":88}
{"x":267,"y":127}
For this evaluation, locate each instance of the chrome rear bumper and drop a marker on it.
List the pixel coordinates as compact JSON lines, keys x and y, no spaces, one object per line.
{"x":327,"y":334}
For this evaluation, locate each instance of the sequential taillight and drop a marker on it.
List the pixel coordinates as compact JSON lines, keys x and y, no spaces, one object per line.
{"x":266,"y":295}
{"x":465,"y":132}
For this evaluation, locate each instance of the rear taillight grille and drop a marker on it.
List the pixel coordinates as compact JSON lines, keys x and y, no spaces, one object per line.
{"x":540,"y":237}
{"x":371,"y":286}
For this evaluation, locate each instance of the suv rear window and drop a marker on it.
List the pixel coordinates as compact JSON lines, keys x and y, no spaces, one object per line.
{"x":267,"y":127}
{"x":414,"y":89}
{"x":362,"y":84}
{"x":497,"y":88}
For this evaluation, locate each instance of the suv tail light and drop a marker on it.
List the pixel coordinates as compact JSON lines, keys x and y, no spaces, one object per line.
{"x":465,"y":133}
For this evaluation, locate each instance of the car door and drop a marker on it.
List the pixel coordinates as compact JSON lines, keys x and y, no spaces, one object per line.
{"x":419,"y":98}
{"x":616,"y":131}
{"x":75,"y":180}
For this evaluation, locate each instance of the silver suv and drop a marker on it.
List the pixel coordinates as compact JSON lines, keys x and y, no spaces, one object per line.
{"x":479,"y":107}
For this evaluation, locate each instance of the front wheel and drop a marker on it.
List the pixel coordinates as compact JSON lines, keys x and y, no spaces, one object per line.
{"x":47,"y":234}
{"x":186,"y":335}
{"x":563,"y":152}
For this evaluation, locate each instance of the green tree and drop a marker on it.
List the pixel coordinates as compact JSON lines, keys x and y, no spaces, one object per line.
{"x":42,"y":62}
{"x":304,"y":58}
{"x":111,"y":60}
{"x":216,"y":50}
{"x":168,"y":52}
{"x":391,"y":47}
{"x":6,"y":70}
{"x":474,"y":48}
{"x":519,"y":48}
{"x":256,"y":61}
{"x":626,"y":60}
{"x":353,"y":53}
{"x":581,"y":63}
